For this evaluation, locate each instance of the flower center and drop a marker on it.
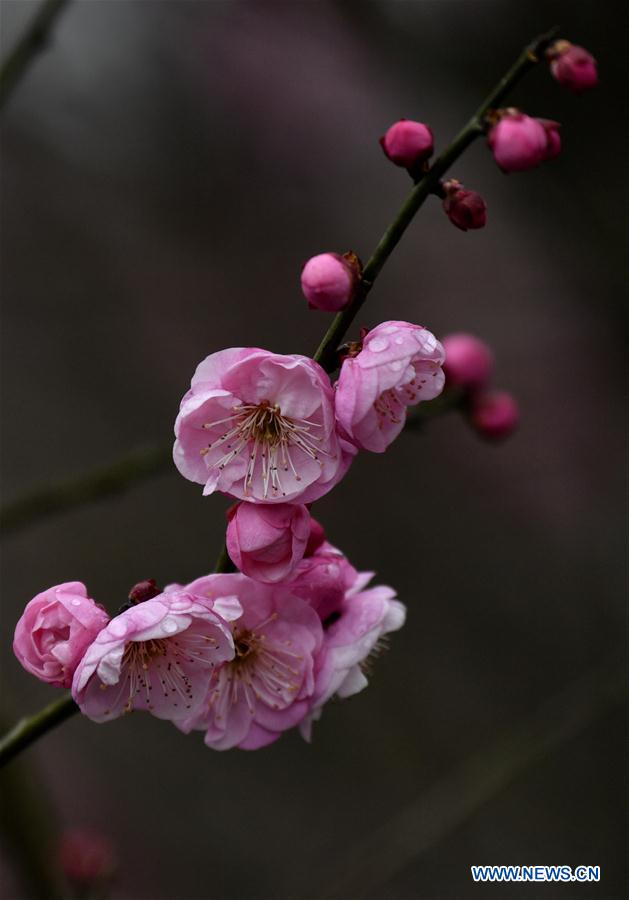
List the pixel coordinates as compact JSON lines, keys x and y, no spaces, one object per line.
{"x":161,"y":664}
{"x":262,"y":670}
{"x":270,"y":439}
{"x":388,"y":406}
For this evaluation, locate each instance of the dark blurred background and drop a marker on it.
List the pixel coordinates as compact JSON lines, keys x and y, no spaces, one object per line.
{"x":167,"y":167}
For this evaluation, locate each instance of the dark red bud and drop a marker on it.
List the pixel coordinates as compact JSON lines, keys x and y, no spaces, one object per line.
{"x":144,"y":590}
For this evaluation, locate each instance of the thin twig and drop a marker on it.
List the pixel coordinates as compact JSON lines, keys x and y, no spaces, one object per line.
{"x":107,"y":481}
{"x":29,"y":729}
{"x":101,"y":482}
{"x":35,"y":38}
{"x":326,"y":352}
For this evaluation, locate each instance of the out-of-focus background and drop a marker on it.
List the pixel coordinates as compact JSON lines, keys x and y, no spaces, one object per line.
{"x":167,"y":167}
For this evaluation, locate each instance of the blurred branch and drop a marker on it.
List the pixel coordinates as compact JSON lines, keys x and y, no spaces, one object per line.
{"x":28,"y":730}
{"x":102,"y":482}
{"x":529,"y":57}
{"x":35,"y":39}
{"x":119,"y":476}
{"x":455,"y":799}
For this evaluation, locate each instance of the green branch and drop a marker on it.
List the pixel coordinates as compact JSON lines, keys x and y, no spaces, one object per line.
{"x":326,"y":352}
{"x":28,"y":730}
{"x":101,"y":482}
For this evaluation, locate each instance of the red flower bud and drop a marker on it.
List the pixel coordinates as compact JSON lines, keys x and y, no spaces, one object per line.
{"x":494,"y":414}
{"x":572,"y":66}
{"x":144,"y":590}
{"x":465,"y":209}
{"x":469,"y":361}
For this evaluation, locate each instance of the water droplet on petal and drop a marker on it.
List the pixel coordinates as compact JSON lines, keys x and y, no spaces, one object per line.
{"x":396,"y":365}
{"x":378,"y":344}
{"x":118,"y":627}
{"x":180,"y":604}
{"x":399,"y":339}
{"x":76,"y":603}
{"x":170,"y":626}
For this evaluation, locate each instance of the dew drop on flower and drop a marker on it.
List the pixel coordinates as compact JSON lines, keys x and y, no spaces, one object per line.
{"x":378,"y":344}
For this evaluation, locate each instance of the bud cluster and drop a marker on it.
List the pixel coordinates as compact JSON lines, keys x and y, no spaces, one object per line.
{"x":469,"y":366}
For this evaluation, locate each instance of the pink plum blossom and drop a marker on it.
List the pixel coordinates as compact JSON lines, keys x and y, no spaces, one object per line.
{"x":329,"y":280}
{"x":572,"y":66}
{"x":517,"y":141}
{"x":55,"y":630}
{"x":399,"y":366}
{"x":469,"y":361}
{"x":268,"y":686}
{"x":261,"y":427}
{"x":267,"y":541}
{"x":157,"y":656}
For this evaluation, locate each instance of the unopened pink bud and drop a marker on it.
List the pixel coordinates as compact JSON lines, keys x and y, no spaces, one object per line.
{"x":465,"y":209}
{"x":517,"y":141}
{"x":572,"y":66}
{"x":268,"y":541}
{"x":85,"y":857}
{"x":553,"y":138}
{"x":469,"y":361}
{"x":329,"y":280}
{"x":408,"y":144}
{"x":494,"y":414}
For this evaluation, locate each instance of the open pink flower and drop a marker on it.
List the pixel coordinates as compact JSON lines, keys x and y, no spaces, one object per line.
{"x":267,"y":688}
{"x":353,"y":633}
{"x":261,"y":427}
{"x":55,"y":630}
{"x":267,"y":542}
{"x":399,"y":366}
{"x":157,"y":656}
